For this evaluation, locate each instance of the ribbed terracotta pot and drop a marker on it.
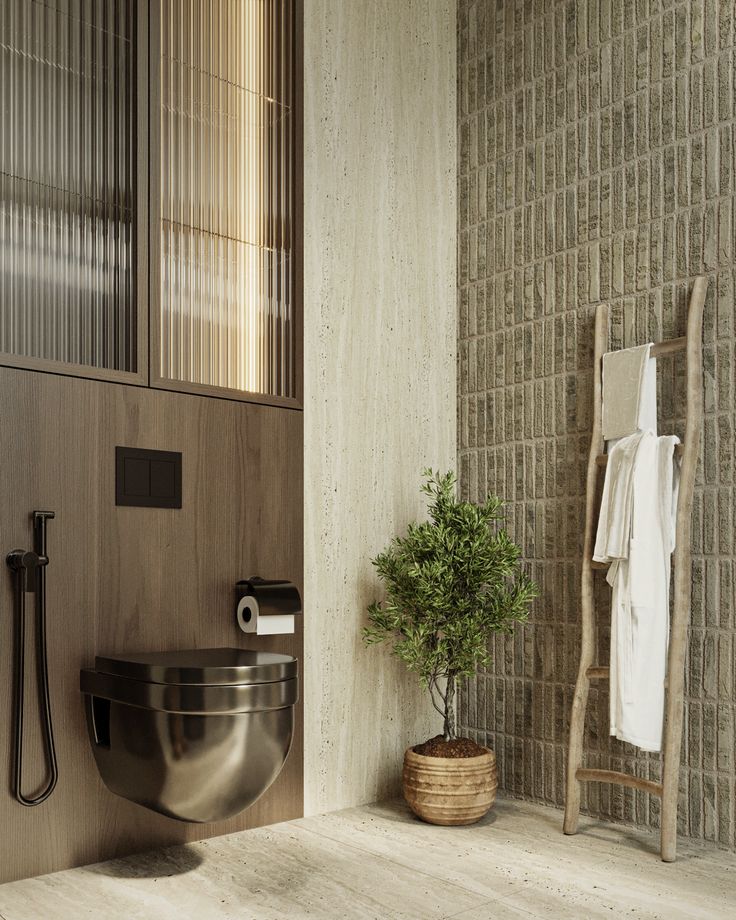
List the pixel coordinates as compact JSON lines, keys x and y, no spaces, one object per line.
{"x":450,"y":790}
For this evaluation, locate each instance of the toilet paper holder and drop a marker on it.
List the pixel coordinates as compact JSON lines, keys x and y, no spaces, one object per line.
{"x":267,"y":607}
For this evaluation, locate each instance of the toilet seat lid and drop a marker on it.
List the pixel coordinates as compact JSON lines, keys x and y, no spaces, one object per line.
{"x":202,"y":666}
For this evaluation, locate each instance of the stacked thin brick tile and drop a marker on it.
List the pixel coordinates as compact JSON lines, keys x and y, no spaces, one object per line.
{"x":596,"y":164}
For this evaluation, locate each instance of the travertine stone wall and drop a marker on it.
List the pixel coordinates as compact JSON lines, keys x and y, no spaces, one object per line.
{"x":596,"y":163}
{"x":380,"y":341}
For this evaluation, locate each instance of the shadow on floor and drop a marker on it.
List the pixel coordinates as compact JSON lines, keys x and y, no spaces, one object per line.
{"x":398,"y":811}
{"x":153,"y":864}
{"x":612,"y":834}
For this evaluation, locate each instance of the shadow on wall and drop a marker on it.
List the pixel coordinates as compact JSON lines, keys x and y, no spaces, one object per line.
{"x":397,"y":691}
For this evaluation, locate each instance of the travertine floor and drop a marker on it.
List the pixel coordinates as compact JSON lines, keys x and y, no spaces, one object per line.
{"x":379,"y":862}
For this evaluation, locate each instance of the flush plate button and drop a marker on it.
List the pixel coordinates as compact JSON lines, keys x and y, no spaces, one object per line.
{"x":147,"y":478}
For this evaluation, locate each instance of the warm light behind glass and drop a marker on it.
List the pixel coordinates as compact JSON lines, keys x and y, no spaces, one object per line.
{"x":226,"y":173}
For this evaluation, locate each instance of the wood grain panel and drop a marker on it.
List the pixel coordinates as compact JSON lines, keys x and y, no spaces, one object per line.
{"x":124,"y":578}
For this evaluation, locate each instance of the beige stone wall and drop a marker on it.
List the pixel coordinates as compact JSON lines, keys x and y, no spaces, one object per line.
{"x":380,"y":359}
{"x":596,"y":163}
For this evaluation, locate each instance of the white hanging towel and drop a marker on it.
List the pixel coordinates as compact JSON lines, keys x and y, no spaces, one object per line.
{"x":636,"y":535}
{"x":629,"y":392}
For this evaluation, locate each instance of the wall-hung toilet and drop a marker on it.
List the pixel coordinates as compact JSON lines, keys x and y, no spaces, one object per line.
{"x":196,"y":735}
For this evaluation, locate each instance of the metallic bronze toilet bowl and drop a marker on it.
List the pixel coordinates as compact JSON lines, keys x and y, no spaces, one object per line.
{"x":196,"y":735}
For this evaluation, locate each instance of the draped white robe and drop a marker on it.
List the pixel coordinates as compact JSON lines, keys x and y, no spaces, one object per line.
{"x":636,"y":535}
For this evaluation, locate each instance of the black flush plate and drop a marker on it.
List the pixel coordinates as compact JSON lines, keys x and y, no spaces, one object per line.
{"x":147,"y":478}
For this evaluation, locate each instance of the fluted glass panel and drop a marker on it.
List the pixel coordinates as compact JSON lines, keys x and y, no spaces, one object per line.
{"x":67,"y":181}
{"x":226,"y":194}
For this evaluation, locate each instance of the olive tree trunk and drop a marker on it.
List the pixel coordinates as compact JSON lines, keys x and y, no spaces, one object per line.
{"x":449,"y":730}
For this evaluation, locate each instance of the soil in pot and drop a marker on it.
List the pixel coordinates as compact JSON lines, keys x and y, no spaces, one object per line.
{"x":458,"y":747}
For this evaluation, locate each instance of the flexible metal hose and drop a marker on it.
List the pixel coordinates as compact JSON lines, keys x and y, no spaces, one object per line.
{"x":17,"y":561}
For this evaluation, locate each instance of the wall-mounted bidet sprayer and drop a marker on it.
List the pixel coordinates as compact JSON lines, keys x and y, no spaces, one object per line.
{"x":29,"y":569}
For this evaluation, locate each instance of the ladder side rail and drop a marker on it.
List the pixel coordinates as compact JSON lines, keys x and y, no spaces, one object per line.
{"x":682,"y":574}
{"x":587,"y":645}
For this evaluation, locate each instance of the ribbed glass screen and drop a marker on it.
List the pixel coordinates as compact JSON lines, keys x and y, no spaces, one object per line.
{"x":226,"y":180}
{"x":66,"y":181}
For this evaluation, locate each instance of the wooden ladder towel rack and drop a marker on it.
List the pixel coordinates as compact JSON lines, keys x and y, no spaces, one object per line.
{"x":667,"y":789}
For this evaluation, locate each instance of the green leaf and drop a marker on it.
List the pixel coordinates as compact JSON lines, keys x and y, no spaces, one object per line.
{"x":451,"y":583}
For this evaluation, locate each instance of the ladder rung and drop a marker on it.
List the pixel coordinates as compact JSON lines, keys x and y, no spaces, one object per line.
{"x":604,"y":673}
{"x":603,"y":566}
{"x":669,"y":347}
{"x":623,"y":779}
{"x":602,"y":459}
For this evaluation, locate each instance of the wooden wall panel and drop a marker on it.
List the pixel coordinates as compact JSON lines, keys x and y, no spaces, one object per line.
{"x":131,"y":579}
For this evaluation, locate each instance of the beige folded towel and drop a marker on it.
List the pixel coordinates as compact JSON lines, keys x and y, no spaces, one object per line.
{"x":629,"y":392}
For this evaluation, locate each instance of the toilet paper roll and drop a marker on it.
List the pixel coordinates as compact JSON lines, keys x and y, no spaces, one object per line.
{"x":267,"y":608}
{"x":251,"y":621}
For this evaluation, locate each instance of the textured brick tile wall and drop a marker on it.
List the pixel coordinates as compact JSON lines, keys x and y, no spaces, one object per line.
{"x":596,"y":165}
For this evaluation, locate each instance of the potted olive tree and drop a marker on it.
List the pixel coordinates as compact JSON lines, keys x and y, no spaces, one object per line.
{"x":450,"y":583}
